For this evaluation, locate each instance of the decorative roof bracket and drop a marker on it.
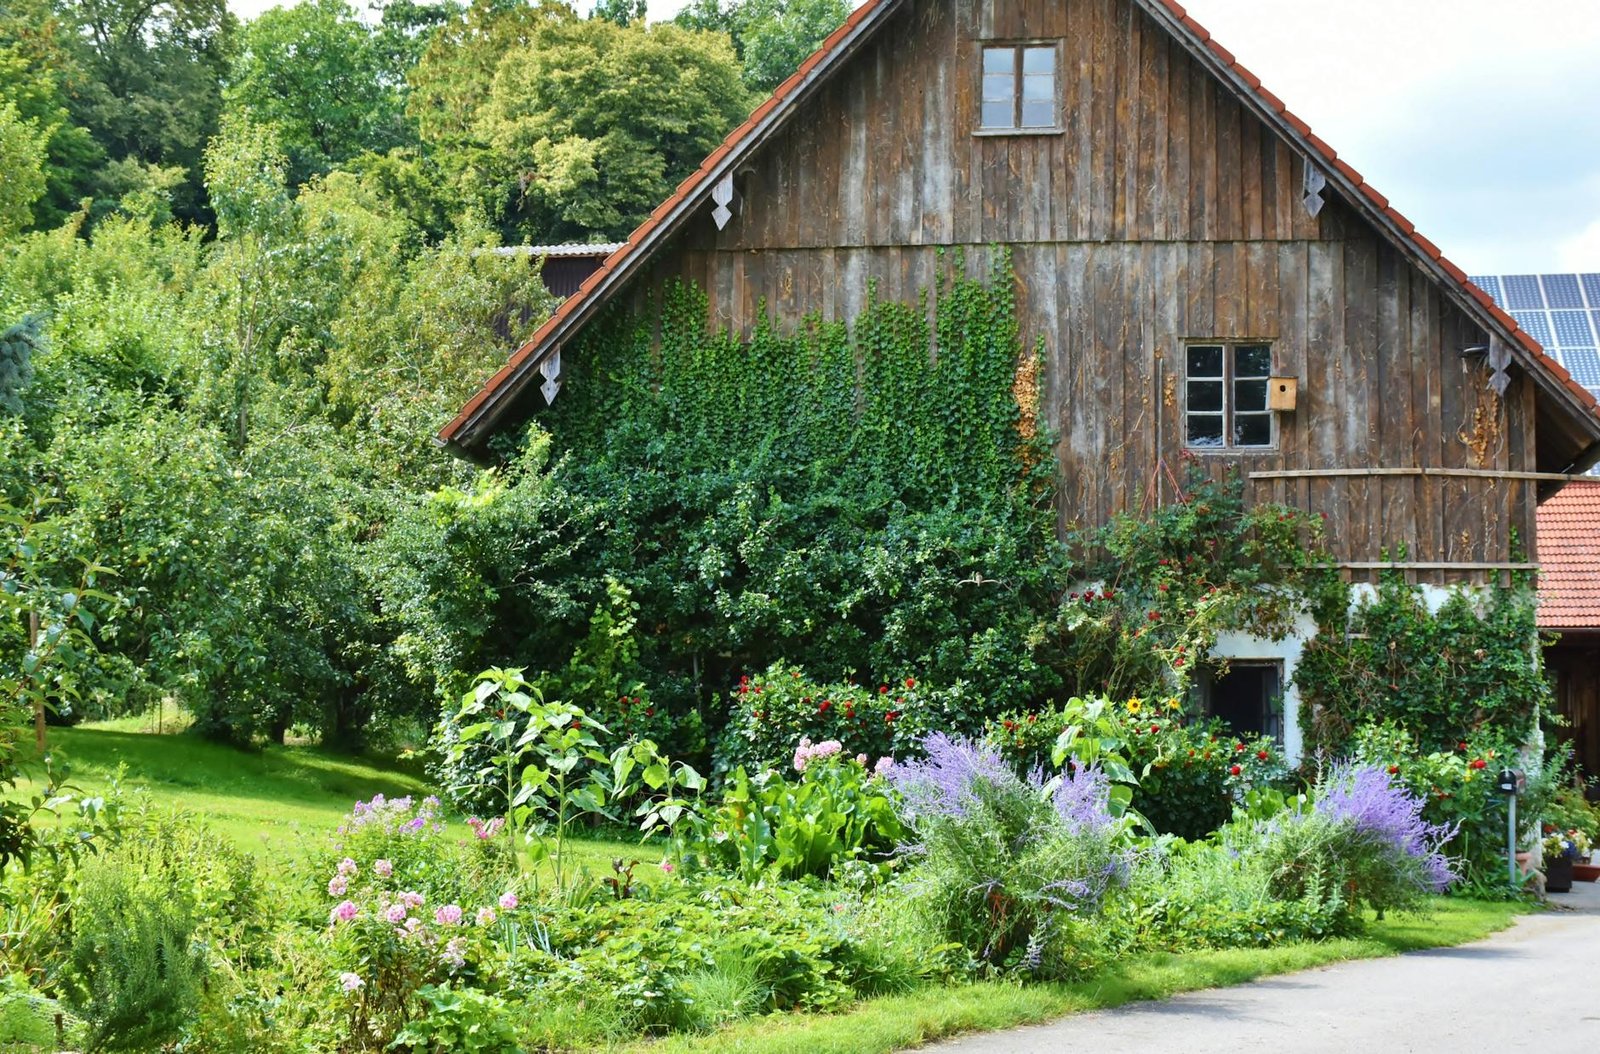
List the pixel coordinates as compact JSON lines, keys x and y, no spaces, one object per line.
{"x":1315,"y":184}
{"x":722,"y":194}
{"x":550,"y":370}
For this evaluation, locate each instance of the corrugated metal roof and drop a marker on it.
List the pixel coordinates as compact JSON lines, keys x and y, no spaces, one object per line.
{"x":567,"y":249}
{"x":1569,"y":558}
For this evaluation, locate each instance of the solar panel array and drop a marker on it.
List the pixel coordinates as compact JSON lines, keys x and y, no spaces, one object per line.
{"x":1560,"y":311}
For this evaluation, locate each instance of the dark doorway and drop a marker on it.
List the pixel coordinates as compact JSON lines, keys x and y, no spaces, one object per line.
{"x":1247,"y":695}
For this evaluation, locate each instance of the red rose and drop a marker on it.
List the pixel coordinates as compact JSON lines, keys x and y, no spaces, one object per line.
{"x":911,"y":682}
{"x":883,"y":689}
{"x":650,"y":712}
{"x":1394,"y":770}
{"x":1154,"y":729}
{"x":1238,"y":748}
{"x":1107,"y":595}
{"x":1234,"y":770}
{"x":1262,"y":754}
{"x":1461,"y":746}
{"x":1479,"y":763}
{"x":1154,"y":616}
{"x":823,"y":706}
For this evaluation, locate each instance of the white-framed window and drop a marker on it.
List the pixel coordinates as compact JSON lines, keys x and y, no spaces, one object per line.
{"x":1019,"y":92}
{"x":1225,"y":396}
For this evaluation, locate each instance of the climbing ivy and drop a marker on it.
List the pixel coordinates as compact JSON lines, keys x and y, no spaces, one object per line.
{"x":1471,"y":667}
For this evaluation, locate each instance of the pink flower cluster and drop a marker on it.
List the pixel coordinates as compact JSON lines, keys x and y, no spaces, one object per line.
{"x":807,"y":751}
{"x":399,"y":816}
{"x":484,"y":830}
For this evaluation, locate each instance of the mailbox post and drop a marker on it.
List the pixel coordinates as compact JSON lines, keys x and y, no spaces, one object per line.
{"x":1511,"y":784}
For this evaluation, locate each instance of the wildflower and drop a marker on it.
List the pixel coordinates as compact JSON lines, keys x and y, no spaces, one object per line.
{"x":666,"y":865}
{"x":486,"y":916}
{"x":348,"y":866}
{"x":416,"y":825}
{"x":382,"y":868}
{"x":350,"y":981}
{"x":343,"y":911}
{"x":508,"y":901}
{"x":337,"y":885}
{"x":1388,"y":812}
{"x":394,"y":914}
{"x":1135,"y":705}
{"x":447,"y":915}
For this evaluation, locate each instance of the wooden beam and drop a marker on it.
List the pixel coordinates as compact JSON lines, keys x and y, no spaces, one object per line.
{"x":1414,"y":565}
{"x":1455,"y":473}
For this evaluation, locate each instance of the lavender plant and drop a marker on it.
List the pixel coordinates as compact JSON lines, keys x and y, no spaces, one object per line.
{"x":1363,"y":842}
{"x":1012,"y":868}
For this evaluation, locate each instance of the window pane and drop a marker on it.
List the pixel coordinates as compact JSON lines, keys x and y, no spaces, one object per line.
{"x":1038,"y":114}
{"x":1205,"y":430}
{"x":998,"y":87}
{"x":1250,"y":395}
{"x":1252,"y":360}
{"x":1205,"y":361}
{"x":1252,"y":430}
{"x":1039,"y":60}
{"x":1039,"y":89}
{"x":999,"y":60}
{"x":997,"y":114}
{"x":1205,"y":395}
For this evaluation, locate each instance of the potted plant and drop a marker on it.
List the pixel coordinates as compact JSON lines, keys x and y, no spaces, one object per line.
{"x":1559,"y":852}
{"x":1582,"y":869}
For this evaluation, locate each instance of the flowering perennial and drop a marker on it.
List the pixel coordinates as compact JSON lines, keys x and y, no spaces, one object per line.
{"x":1382,"y":809}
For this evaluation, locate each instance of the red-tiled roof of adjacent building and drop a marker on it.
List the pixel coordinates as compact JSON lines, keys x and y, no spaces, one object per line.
{"x":1569,"y":558}
{"x":483,"y":411}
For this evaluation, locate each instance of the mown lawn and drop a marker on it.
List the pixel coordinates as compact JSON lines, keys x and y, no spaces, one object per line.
{"x":897,"y":1022}
{"x":268,"y":802}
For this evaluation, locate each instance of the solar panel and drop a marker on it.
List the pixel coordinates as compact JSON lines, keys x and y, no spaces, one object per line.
{"x":1591,"y":288}
{"x":1583,"y":364}
{"x":1522,"y":292}
{"x":1573,"y":329}
{"x":1561,"y":291}
{"x":1490,"y":284}
{"x":1537,"y":323}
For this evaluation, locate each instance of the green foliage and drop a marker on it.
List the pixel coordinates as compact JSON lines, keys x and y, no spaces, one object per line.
{"x":136,"y":972}
{"x":28,"y":1019}
{"x":601,"y":121}
{"x":1469,"y":667}
{"x":771,"y":37}
{"x":319,"y":75}
{"x":22,"y":158}
{"x":17,"y":346}
{"x":834,"y":811}
{"x":459,"y":1019}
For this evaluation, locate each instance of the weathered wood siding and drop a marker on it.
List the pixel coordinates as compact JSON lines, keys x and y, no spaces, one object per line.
{"x":1162,"y":212}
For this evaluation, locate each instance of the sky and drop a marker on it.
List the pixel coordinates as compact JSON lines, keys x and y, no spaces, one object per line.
{"x":1478,"y":119}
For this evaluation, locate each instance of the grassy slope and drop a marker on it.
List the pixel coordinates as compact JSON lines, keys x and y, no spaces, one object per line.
{"x":898,"y":1022}
{"x":267,"y":802}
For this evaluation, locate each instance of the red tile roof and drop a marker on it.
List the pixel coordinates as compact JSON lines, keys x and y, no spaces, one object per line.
{"x":471,"y":425}
{"x":1569,"y":558}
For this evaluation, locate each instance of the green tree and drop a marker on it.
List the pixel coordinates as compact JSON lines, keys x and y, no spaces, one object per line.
{"x":771,"y":37}
{"x":152,"y":81}
{"x":36,"y":73}
{"x":22,"y":159}
{"x":595,"y":123}
{"x":17,"y":345}
{"x":317,"y":74}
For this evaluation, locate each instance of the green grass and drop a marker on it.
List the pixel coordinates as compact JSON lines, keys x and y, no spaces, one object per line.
{"x":268,"y":802}
{"x":898,"y":1022}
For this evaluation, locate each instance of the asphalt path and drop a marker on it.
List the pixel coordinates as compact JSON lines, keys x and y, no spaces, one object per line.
{"x":1533,"y":987}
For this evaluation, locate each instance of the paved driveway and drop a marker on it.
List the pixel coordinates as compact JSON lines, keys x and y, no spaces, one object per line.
{"x":1533,"y":987}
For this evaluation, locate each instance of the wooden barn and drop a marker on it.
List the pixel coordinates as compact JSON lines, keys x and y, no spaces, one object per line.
{"x":1205,"y":275}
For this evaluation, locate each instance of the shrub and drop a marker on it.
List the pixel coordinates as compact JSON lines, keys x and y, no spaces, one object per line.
{"x":1010,"y":868}
{"x":136,"y":973}
{"x":1185,"y":772}
{"x":459,"y":1019}
{"x":772,"y":711}
{"x":28,"y":1019}
{"x":1364,"y":841}
{"x":834,"y":811}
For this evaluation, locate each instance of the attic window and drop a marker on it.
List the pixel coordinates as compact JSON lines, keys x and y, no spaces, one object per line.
{"x":1019,"y":88}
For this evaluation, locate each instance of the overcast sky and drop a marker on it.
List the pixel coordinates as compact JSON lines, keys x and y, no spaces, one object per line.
{"x":1479,"y":119}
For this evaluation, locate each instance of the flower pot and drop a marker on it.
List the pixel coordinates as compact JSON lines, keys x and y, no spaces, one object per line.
{"x":1585,"y":872}
{"x":1558,"y":874}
